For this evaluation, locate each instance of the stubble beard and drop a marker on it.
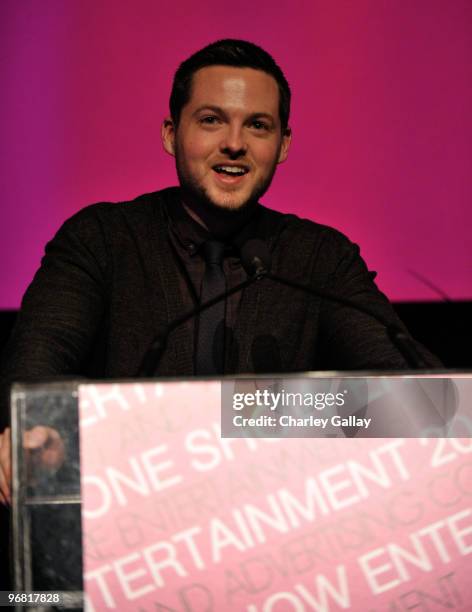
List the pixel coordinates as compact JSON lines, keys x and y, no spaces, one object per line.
{"x":195,"y":192}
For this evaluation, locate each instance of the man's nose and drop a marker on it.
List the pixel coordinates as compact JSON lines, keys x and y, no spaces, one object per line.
{"x":234,"y":143}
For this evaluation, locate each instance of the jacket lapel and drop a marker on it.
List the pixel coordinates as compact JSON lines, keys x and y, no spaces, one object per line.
{"x":178,"y":357}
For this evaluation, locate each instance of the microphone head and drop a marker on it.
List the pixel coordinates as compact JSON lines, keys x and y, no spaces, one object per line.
{"x":255,"y":257}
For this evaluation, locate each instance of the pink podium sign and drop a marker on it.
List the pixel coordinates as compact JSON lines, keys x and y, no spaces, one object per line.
{"x":175,"y":518}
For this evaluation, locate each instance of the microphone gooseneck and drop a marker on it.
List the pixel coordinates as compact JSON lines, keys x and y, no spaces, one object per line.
{"x":256,"y":260}
{"x":398,"y":336}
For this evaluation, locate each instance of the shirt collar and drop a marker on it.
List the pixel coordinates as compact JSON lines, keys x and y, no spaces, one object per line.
{"x":191,"y":235}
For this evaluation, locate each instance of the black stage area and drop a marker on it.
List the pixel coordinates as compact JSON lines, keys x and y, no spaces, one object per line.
{"x":443,"y":327}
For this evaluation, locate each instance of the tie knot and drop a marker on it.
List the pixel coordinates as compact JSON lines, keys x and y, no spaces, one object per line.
{"x":213,"y":252}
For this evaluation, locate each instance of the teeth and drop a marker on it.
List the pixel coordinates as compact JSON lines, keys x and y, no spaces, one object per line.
{"x":230,"y":169}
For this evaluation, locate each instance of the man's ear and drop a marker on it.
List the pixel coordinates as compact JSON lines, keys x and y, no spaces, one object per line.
{"x":168,"y":136}
{"x":285,"y":146}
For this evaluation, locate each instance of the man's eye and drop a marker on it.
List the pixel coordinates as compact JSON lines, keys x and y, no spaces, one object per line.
{"x":209,"y":120}
{"x":259,"y":125}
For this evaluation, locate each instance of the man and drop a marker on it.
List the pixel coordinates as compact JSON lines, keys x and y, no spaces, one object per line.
{"x":116,"y":275}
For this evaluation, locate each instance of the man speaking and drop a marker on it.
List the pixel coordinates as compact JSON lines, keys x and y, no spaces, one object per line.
{"x":117,"y":276}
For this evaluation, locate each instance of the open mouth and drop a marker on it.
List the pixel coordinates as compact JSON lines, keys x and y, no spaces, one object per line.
{"x":233,"y":171}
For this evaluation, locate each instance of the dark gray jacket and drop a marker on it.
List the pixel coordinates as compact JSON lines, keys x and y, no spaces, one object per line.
{"x":109,"y":282}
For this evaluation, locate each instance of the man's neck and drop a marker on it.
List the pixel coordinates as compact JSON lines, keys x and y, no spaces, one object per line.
{"x":220,"y":223}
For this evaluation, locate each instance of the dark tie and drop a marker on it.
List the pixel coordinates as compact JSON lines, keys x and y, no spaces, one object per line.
{"x":211,"y":325}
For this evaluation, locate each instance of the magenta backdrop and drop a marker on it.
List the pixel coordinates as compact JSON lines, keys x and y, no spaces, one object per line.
{"x":382,"y":121}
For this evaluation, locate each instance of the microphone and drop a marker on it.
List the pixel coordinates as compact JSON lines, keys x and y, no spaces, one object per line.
{"x":255,"y":258}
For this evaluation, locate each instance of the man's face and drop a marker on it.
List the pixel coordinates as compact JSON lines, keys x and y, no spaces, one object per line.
{"x":229,"y":138}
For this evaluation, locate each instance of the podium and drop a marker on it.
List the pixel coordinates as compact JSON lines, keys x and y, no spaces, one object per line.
{"x":46,"y":507}
{"x":167,"y":504}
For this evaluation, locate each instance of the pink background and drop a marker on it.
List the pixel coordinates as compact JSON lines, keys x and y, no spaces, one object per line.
{"x":381,"y":118}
